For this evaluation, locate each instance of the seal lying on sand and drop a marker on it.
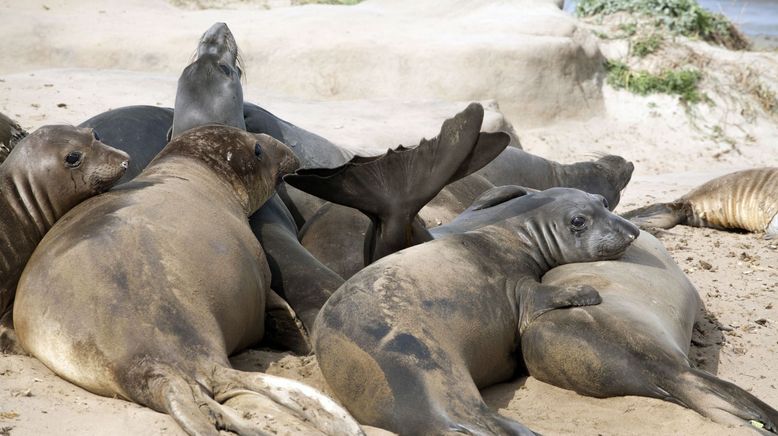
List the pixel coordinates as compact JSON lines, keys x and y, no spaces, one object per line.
{"x":44,"y":176}
{"x":746,"y":200}
{"x":635,"y":342}
{"x":10,"y":134}
{"x":407,"y":342}
{"x":143,"y":292}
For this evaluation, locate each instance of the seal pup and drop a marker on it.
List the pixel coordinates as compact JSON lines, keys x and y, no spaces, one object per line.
{"x":141,"y":131}
{"x":745,"y":200}
{"x":156,"y":326}
{"x":407,"y":342}
{"x":10,"y":133}
{"x":45,"y":175}
{"x":636,"y":342}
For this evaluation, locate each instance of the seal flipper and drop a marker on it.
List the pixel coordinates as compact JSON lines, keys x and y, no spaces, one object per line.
{"x":540,"y":298}
{"x":660,"y":215}
{"x":392,"y":188}
{"x":283,"y":328}
{"x":198,"y":407}
{"x":498,"y":195}
{"x":719,"y":400}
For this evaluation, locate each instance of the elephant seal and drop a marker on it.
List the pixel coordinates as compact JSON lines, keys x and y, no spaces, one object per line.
{"x":407,"y":342}
{"x":745,"y":200}
{"x":45,"y":175}
{"x":10,"y":133}
{"x":209,"y":89}
{"x":392,"y":188}
{"x":636,"y":342}
{"x":142,"y":292}
{"x":141,"y":131}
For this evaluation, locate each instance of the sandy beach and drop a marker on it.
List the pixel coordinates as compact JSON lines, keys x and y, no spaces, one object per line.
{"x":380,"y":74}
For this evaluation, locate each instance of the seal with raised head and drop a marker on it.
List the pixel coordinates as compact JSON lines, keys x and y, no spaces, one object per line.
{"x":45,"y":175}
{"x":142,"y":292}
{"x":407,"y":342}
{"x":745,"y":200}
{"x":636,"y":342}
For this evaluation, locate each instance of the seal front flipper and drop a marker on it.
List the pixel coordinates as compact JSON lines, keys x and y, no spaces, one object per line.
{"x":9,"y":342}
{"x":539,"y":299}
{"x":283,"y":329}
{"x":660,"y":215}
{"x":391,"y":189}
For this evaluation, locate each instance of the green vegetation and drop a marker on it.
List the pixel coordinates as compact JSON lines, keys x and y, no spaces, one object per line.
{"x":643,"y":47}
{"x":683,"y":83}
{"x":766,"y":97}
{"x":685,"y":17}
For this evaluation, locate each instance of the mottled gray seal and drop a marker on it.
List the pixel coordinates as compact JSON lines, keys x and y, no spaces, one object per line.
{"x":745,"y":200}
{"x":142,"y":292}
{"x":637,"y":341}
{"x":407,"y":342}
{"x":45,"y":175}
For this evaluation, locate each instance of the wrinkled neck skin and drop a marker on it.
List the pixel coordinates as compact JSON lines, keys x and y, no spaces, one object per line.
{"x":525,"y":251}
{"x":200,"y":178}
{"x":27,"y":213}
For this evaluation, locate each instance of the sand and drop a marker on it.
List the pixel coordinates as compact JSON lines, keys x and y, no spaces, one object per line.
{"x":70,"y":61}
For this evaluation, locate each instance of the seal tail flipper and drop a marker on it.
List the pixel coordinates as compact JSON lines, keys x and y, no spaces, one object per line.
{"x":391,"y":189}
{"x":199,"y":410}
{"x":659,"y":215}
{"x":720,"y":400}
{"x":303,"y":401}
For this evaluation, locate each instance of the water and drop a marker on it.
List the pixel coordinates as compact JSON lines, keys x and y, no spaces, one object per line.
{"x":753,"y":17}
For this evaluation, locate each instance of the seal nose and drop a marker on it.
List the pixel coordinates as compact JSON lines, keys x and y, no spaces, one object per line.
{"x":630,"y":230}
{"x":125,"y":164}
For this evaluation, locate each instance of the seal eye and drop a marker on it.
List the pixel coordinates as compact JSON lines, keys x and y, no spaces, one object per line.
{"x":578,"y":222}
{"x":225,"y":69}
{"x":605,"y":203}
{"x":73,"y":159}
{"x":258,"y":150}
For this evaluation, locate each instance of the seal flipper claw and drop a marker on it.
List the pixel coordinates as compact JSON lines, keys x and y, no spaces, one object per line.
{"x":391,"y":189}
{"x":540,"y":299}
{"x":302,"y":400}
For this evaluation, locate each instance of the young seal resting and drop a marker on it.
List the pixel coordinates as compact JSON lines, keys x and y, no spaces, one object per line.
{"x":745,"y":200}
{"x":143,"y":292}
{"x":45,"y":175}
{"x":407,"y":342}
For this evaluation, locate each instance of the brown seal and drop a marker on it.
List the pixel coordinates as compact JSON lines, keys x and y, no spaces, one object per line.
{"x":636,"y":342}
{"x":407,"y":342}
{"x":142,"y":292}
{"x":745,"y":200}
{"x":45,"y":175}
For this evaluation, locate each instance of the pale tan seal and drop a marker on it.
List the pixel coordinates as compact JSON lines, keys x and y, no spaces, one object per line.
{"x":44,"y":176}
{"x":745,"y":200}
{"x":143,"y":292}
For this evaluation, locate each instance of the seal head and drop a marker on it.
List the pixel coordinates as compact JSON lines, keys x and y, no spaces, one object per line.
{"x":251,"y":163}
{"x":209,"y":89}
